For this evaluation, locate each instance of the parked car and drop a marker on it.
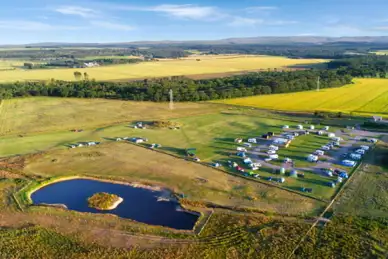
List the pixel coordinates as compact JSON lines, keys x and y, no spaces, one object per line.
{"x":271,"y":152}
{"x":274,"y":156}
{"x":325,"y":148}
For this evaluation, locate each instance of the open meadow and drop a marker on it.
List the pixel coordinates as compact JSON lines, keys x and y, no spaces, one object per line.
{"x":367,"y":196}
{"x":162,"y":68}
{"x":27,"y":115}
{"x":210,"y":128}
{"x":364,"y":97}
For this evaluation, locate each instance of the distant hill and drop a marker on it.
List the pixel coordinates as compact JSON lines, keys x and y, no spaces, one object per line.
{"x":310,"y":40}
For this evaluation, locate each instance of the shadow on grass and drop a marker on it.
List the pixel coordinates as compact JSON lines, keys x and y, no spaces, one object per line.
{"x":174,"y":150}
{"x":315,"y":181}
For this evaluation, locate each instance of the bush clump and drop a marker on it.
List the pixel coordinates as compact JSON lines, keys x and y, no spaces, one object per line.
{"x":103,"y":200}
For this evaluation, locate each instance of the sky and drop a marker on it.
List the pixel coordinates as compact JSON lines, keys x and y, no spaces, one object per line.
{"x":103,"y":21}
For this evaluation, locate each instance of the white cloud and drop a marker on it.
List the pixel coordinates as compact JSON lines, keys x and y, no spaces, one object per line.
{"x":76,"y":10}
{"x":281,"y":22}
{"x":185,"y":11}
{"x":23,"y":25}
{"x":112,"y":26}
{"x":254,"y":9}
{"x":188,"y":11}
{"x":238,"y":21}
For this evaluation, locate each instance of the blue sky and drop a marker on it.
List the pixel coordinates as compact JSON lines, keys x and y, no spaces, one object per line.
{"x":30,"y":21}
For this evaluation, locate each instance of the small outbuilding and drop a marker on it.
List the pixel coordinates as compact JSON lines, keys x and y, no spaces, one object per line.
{"x":326,"y":128}
{"x":299,"y":127}
{"x":312,"y":127}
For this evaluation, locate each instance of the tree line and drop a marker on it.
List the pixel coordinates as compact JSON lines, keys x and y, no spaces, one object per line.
{"x":184,"y":89}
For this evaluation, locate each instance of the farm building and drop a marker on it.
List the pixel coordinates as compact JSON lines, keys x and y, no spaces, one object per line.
{"x":312,"y":158}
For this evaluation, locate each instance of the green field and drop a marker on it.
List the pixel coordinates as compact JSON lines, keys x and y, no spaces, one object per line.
{"x":21,"y":116}
{"x":209,"y":128}
{"x":364,"y":97}
{"x":38,"y":131}
{"x":162,"y":68}
{"x":367,"y":195}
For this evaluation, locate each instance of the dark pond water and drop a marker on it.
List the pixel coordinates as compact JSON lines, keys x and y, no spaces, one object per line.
{"x":139,"y":204}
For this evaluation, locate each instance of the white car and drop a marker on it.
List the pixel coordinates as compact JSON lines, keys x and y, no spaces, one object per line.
{"x":319,"y":153}
{"x":247,"y":145}
{"x":349,"y":163}
{"x":325,"y":148}
{"x":364,"y":147}
{"x":271,"y":152}
{"x":360,"y":151}
{"x":274,"y":156}
{"x":272,"y":147}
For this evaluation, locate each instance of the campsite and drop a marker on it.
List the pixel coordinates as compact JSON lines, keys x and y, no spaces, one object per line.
{"x":256,"y":147}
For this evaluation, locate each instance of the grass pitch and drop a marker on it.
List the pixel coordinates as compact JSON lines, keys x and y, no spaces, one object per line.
{"x":365,"y":97}
{"x":162,"y":68}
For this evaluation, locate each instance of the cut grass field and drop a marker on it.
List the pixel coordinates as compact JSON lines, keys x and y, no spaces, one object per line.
{"x":163,"y":68}
{"x":364,"y":97}
{"x":26,"y":115}
{"x":367,"y":195}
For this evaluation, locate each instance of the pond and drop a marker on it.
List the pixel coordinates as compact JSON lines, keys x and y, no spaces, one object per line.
{"x":140,"y":204}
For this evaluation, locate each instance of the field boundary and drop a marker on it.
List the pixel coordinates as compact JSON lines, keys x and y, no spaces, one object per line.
{"x":321,"y":216}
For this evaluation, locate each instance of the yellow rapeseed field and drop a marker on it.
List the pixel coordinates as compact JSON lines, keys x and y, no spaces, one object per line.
{"x":206,"y":65}
{"x":365,"y":96}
